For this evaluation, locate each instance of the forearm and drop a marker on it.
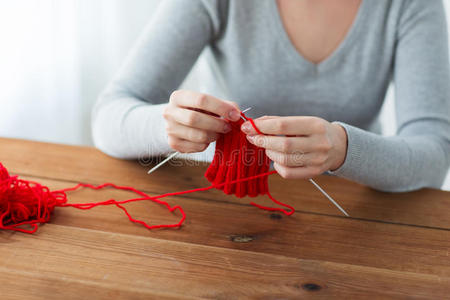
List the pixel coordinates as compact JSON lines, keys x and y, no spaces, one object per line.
{"x":395,"y":164}
{"x":127,"y":120}
{"x":129,"y":128}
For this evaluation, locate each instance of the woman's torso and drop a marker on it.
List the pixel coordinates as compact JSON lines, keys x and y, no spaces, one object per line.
{"x":254,"y":63}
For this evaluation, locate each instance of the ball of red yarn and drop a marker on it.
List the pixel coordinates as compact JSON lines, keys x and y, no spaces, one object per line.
{"x":25,"y":202}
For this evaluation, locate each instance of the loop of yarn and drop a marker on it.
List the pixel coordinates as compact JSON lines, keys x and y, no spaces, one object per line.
{"x":238,"y":168}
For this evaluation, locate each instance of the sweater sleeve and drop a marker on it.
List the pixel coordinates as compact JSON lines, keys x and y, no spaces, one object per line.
{"x":419,"y":154}
{"x":127,"y":118}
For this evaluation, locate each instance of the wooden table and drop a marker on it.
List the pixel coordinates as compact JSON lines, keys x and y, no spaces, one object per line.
{"x":393,"y":246}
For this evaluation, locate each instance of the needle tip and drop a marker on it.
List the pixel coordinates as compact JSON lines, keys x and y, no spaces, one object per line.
{"x":163,"y":162}
{"x":246,"y":110}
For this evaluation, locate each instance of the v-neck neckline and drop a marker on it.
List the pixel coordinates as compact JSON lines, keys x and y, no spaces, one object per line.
{"x":350,"y":35}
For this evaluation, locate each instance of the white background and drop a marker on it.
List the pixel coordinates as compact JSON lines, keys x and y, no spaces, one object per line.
{"x":57,"y":55}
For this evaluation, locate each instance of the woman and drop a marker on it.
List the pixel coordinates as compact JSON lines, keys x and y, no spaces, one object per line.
{"x":319,"y":68}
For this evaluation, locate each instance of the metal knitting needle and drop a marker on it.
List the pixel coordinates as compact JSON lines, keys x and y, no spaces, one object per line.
{"x":244,"y":111}
{"x":163,"y":162}
{"x":329,"y":198}
{"x":176,"y":153}
{"x":312,"y":181}
{"x":315,"y":184}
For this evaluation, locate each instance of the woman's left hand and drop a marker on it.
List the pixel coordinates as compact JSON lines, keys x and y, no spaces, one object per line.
{"x":301,"y":147}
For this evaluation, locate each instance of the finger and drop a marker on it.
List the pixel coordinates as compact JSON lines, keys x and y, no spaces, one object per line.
{"x":199,"y":120}
{"x":192,"y":134}
{"x":297,"y":172}
{"x":234,"y":104}
{"x":287,"y":160}
{"x":248,"y":128}
{"x":266,"y":117}
{"x":299,"y":159}
{"x":184,"y":146}
{"x":190,"y":99}
{"x":203,"y":111}
{"x":285,"y":125}
{"x":282,"y":143}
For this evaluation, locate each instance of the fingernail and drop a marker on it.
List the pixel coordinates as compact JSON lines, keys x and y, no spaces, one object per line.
{"x":250,"y":138}
{"x":246,"y":127}
{"x":227,"y":128}
{"x":234,"y":115}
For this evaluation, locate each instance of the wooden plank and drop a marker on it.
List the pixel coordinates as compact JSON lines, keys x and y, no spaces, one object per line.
{"x":427,"y":207}
{"x":130,"y":265}
{"x":302,"y":235}
{"x":32,"y":285}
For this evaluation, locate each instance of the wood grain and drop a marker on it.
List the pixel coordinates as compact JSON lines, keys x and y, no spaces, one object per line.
{"x":35,"y":285}
{"x":427,"y":207}
{"x":127,"y":265}
{"x":244,"y":227}
{"x":395,"y":246}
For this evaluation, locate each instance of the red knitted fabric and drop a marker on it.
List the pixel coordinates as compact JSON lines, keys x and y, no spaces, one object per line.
{"x":238,"y":168}
{"x":236,"y":158}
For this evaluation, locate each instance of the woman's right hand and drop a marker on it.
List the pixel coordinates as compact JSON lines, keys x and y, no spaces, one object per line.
{"x":194,"y":120}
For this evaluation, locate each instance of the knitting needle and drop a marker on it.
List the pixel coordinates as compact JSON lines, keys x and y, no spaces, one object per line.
{"x":244,"y":111}
{"x":163,"y":162}
{"x":312,"y":181}
{"x":315,"y":184}
{"x":176,"y":153}
{"x":329,"y":197}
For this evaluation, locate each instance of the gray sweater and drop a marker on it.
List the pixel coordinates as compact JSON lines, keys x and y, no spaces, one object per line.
{"x":254,"y":63}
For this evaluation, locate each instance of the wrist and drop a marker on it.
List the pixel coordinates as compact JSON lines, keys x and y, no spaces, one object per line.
{"x":341,"y":140}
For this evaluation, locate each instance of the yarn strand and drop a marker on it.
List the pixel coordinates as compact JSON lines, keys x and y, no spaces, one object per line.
{"x":238,"y":168}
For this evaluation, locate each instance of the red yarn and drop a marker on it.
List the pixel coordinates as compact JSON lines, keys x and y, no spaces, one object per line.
{"x":24,"y":202}
{"x":236,"y":158}
{"x":238,"y":168}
